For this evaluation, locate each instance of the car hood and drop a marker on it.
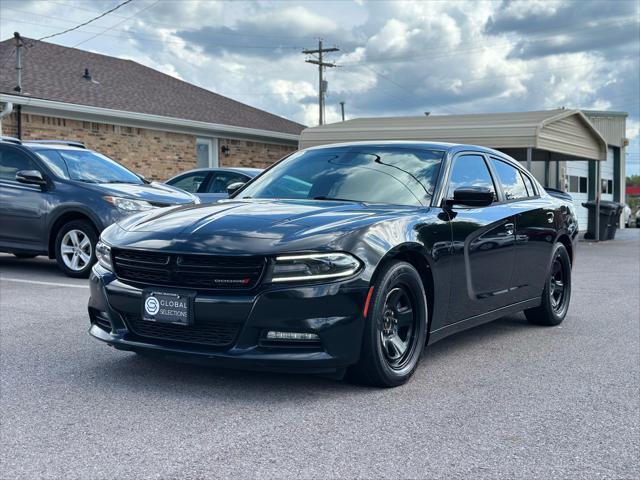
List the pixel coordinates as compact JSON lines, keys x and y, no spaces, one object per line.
{"x":157,"y":193}
{"x":247,"y":226}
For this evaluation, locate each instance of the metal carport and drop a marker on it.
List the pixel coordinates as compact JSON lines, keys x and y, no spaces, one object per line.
{"x":550,"y":134}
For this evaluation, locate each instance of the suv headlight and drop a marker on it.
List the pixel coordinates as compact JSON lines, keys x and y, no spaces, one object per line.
{"x":313,"y":266}
{"x":129,"y":204}
{"x":103,"y":254}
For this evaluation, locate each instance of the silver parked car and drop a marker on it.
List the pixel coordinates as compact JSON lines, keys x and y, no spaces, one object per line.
{"x":210,"y":184}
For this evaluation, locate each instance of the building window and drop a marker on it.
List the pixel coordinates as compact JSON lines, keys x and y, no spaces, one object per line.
{"x":577,"y":184}
{"x":607,"y":186}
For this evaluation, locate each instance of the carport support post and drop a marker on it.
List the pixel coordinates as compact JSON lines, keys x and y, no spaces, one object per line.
{"x":529,"y":154}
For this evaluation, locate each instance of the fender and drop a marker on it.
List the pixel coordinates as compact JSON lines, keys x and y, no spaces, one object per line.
{"x":60,"y":211}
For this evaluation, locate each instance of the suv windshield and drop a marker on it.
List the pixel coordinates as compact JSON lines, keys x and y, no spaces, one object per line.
{"x":393,"y":175}
{"x":87,"y":166}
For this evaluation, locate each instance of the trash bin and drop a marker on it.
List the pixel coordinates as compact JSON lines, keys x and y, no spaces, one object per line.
{"x":614,"y":223}
{"x":607,"y":227}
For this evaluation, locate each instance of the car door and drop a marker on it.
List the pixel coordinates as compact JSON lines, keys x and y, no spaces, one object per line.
{"x":535,"y":229}
{"x":216,"y":187}
{"x":23,"y":206}
{"x":483,"y":243}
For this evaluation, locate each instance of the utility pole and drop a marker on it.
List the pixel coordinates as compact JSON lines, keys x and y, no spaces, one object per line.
{"x":342,"y":110}
{"x":18,"y":88}
{"x":322,"y":85}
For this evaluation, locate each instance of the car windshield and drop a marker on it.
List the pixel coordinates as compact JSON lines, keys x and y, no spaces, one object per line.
{"x":87,"y":166}
{"x":392,"y":175}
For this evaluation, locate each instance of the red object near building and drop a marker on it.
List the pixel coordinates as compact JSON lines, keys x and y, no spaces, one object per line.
{"x":633,"y":191}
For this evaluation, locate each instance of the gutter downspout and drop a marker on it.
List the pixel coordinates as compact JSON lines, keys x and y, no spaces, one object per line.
{"x":6,"y":111}
{"x":19,"y":122}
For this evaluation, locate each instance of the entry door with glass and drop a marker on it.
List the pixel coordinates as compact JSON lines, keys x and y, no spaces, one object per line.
{"x":207,"y":152}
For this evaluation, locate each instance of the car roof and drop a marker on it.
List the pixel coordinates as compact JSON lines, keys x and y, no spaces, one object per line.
{"x":53,"y":146}
{"x":448,"y":147}
{"x":245,"y":170}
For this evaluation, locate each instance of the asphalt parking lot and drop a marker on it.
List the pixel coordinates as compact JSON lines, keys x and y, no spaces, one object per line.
{"x":505,"y":400}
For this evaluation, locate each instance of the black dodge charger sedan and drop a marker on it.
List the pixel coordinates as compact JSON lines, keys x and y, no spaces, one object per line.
{"x":342,"y":258}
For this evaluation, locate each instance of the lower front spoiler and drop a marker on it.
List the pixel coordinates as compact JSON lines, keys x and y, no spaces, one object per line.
{"x":239,"y":359}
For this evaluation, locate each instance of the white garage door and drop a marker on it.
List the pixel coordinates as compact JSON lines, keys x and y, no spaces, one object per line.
{"x":577,"y":172}
{"x":576,"y":182}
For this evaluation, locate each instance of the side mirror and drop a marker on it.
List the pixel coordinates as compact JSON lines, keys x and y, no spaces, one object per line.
{"x":34,"y":177}
{"x":471,"y":197}
{"x":234,"y":187}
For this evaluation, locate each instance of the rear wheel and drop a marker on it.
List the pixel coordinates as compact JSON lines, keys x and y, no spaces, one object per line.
{"x":557,"y":291}
{"x":395,"y":329}
{"x":75,"y":248}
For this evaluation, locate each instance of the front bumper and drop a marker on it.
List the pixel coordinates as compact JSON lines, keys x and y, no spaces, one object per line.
{"x":332,"y":311}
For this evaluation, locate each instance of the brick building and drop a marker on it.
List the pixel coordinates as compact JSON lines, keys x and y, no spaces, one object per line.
{"x":155,"y":124}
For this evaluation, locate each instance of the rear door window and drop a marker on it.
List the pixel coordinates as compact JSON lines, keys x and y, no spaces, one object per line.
{"x":510,"y":179}
{"x":529,"y":184}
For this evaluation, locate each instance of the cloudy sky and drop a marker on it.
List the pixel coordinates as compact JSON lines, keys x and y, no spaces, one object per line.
{"x":395,"y":58}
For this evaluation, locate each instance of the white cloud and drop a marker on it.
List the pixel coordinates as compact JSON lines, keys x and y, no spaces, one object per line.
{"x":397,"y":58}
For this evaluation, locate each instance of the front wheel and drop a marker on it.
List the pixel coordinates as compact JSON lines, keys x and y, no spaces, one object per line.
{"x":395,"y":328}
{"x":557,"y":291}
{"x":76,"y":248}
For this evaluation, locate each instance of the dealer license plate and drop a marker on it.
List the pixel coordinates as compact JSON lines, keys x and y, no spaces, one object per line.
{"x":167,"y":307}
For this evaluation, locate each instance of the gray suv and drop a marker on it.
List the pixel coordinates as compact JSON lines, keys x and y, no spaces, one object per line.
{"x":57,"y":196}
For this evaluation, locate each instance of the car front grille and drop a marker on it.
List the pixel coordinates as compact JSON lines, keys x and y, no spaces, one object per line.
{"x":215,"y":334}
{"x":207,"y":272}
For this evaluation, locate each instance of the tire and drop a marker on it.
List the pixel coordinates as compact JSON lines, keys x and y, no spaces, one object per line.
{"x":74,"y":255}
{"x":25,"y":256}
{"x":555,"y":300}
{"x":397,"y":318}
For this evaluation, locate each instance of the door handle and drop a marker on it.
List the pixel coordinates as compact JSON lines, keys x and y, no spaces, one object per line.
{"x":550,"y":217}
{"x":509,"y":228}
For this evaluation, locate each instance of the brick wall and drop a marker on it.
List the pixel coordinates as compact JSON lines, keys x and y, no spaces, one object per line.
{"x":156,"y":154}
{"x":245,"y":153}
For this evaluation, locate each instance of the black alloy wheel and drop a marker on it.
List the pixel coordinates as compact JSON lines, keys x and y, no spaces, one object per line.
{"x":556,"y":285}
{"x":557,"y":291}
{"x":397,"y":333}
{"x":395,"y":328}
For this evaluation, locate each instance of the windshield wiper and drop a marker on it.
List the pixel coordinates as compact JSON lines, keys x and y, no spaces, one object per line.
{"x":336,"y":199}
{"x":121,"y":181}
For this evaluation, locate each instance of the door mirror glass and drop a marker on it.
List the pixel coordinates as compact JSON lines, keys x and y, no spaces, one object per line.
{"x":234,"y":187}
{"x":30,"y":176}
{"x":472,"y":196}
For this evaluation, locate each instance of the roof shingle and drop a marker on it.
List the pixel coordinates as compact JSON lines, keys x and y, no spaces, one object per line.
{"x":54,"y":72}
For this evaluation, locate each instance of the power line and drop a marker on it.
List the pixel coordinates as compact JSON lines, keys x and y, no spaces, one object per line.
{"x":119,"y":23}
{"x":88,"y":21}
{"x":155,"y":40}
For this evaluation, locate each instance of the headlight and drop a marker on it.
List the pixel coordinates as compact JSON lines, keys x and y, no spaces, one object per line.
{"x":128,"y":204}
{"x":103,"y":254}
{"x":313,"y":266}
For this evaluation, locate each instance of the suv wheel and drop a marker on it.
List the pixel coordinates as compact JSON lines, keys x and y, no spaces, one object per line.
{"x":396,"y":329}
{"x":75,"y":248}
